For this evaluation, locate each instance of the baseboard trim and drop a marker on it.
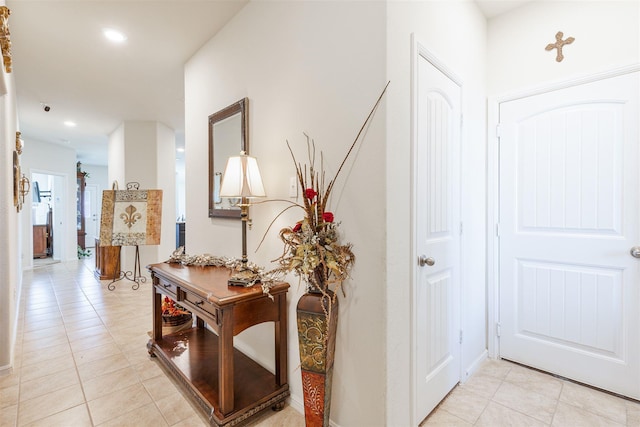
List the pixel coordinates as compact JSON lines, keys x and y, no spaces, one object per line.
{"x":475,"y":365}
{"x":6,"y":370}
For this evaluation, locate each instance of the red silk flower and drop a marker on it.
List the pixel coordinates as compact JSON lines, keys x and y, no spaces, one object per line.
{"x":327,"y":217}
{"x":297,"y":227}
{"x":310,"y":193}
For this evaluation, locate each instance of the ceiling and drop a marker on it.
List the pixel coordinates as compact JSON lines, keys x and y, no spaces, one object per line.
{"x":61,"y":59}
{"x":493,"y":8}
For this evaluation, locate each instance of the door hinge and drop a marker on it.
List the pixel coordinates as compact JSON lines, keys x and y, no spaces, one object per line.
{"x":460,"y":341}
{"x":498,"y":130}
{"x":461,"y":228}
{"x":497,"y":229}
{"x":498,"y":329}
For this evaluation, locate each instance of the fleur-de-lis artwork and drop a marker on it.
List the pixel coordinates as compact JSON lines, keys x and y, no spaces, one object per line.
{"x":130,"y":216}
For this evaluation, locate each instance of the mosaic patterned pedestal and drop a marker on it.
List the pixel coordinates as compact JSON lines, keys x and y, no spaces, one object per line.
{"x":317,"y":339}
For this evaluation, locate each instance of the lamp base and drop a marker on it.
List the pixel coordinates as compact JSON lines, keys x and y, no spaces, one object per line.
{"x":243,"y":278}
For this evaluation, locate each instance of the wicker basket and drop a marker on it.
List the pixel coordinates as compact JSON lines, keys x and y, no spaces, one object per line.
{"x":178,"y":320}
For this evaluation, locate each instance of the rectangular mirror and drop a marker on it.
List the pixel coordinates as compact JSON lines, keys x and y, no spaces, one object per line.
{"x":228,"y":135}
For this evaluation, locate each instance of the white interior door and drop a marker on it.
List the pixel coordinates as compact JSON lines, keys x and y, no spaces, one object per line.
{"x":91,"y":214}
{"x":569,"y":216}
{"x":437,"y":227}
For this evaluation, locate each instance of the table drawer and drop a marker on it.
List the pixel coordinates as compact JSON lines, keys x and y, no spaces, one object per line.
{"x":200,"y":303}
{"x":168,"y":288}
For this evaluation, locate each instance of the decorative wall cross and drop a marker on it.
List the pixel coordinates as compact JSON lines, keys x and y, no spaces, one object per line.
{"x":559,"y":44}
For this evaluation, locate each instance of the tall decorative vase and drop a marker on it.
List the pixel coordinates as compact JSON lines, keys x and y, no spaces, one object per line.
{"x":317,"y":339}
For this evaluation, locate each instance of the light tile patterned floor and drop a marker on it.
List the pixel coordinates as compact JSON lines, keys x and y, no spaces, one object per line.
{"x":506,"y":394}
{"x":81,"y":361}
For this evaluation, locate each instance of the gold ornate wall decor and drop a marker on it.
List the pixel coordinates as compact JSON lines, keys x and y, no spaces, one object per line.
{"x":559,"y":44}
{"x":19,"y":143}
{"x":21,"y":184}
{"x":25,"y":186}
{"x":16,"y":181}
{"x":5,"y":37}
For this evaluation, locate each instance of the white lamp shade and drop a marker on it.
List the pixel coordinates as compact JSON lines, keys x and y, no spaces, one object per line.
{"x":242,"y":178}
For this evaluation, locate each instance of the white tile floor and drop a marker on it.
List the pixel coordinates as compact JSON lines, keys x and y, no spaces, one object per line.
{"x":81,"y":360}
{"x":506,"y":394}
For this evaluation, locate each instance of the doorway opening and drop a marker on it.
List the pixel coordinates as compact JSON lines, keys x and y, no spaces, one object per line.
{"x":47,"y":210}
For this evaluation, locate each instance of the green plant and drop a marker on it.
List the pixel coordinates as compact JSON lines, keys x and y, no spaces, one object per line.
{"x":83,"y":253}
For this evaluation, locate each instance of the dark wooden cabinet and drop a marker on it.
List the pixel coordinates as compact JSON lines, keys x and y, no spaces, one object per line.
{"x":80,"y":184}
{"x":226,"y":384}
{"x":107,"y":261}
{"x":43,"y":238}
{"x":41,"y":246}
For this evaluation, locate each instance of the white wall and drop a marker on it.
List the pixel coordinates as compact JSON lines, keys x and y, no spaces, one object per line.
{"x":607,"y":35}
{"x":10,"y":249}
{"x":116,"y":156}
{"x":314,"y":67}
{"x":454,"y":32}
{"x":144,"y":152}
{"x":98,"y":175}
{"x":166,"y":180}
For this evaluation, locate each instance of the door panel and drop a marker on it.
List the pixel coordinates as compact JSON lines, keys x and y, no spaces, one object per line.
{"x":91,"y":214}
{"x":569,"y":189}
{"x":437,"y":294}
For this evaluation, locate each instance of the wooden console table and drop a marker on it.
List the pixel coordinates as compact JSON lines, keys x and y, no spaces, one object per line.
{"x":229,"y":386}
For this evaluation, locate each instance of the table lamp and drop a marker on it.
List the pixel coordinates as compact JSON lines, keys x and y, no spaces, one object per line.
{"x":241,"y":179}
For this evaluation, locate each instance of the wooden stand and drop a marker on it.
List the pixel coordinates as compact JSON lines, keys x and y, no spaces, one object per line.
{"x":107,"y":261}
{"x":226,"y":384}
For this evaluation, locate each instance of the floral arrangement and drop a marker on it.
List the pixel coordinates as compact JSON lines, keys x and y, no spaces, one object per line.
{"x":180,"y":257}
{"x":312,"y":248}
{"x":171,"y":309}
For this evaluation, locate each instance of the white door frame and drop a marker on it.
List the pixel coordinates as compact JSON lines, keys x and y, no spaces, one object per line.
{"x":493,"y":189}
{"x":418,"y":50}
{"x":95,"y":214}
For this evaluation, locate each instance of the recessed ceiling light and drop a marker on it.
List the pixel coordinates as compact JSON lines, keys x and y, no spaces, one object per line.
{"x":114,"y":35}
{"x":70,"y":124}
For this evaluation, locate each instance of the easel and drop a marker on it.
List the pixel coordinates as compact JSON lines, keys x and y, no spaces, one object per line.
{"x":135,"y":276}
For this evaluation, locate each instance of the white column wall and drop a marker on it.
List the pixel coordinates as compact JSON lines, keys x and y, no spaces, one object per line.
{"x":166,"y":181}
{"x":143,"y":152}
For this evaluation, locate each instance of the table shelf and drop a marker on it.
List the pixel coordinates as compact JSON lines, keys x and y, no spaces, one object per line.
{"x":202,"y":359}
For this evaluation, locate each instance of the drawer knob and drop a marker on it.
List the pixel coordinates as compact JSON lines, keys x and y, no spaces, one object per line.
{"x":199,"y":302}
{"x":166,"y":286}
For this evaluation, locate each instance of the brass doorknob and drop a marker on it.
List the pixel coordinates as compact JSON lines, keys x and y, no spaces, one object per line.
{"x":423,"y":260}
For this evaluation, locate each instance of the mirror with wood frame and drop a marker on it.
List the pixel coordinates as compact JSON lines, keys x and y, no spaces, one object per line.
{"x":228,"y":135}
